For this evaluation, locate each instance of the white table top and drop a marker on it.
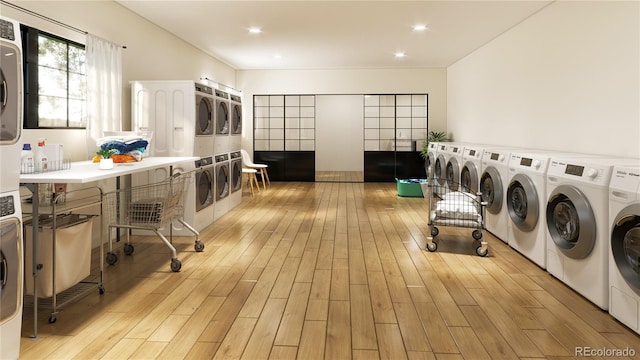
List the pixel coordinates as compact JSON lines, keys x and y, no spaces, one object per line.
{"x":86,"y":171}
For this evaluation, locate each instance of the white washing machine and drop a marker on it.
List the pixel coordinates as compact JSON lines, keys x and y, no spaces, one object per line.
{"x":11,"y":245}
{"x":204,"y":120}
{"x":204,"y":184}
{"x":167,"y":109}
{"x":577,"y":219}
{"x":235,"y":168}
{"x":430,"y":160}
{"x":471,"y":169}
{"x":222,"y":185}
{"x":624,"y":246}
{"x":221,"y":142}
{"x":440,"y":164}
{"x":453,"y":166}
{"x":526,"y":199}
{"x":493,"y":185}
{"x":235,"y":122}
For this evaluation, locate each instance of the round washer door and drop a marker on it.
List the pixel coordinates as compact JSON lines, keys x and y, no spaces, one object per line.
{"x":492,"y":189}
{"x":222,"y":118}
{"x":204,"y":120}
{"x":469,"y":177}
{"x":439,"y":167}
{"x":236,"y":175}
{"x":236,"y":119}
{"x":222,"y":182}
{"x":204,"y":189}
{"x":523,"y":203}
{"x":453,"y":174}
{"x":625,"y":245}
{"x":429,"y":162}
{"x":571,"y":222}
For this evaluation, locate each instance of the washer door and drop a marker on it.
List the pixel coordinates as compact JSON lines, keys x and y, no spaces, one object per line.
{"x":10,"y":94}
{"x":204,"y":120}
{"x":10,"y":268}
{"x":429,"y":162}
{"x":236,"y":176}
{"x":492,"y":189}
{"x":523,"y":203}
{"x":453,"y":174}
{"x":571,"y":222}
{"x":439,"y":168}
{"x":222,"y":182}
{"x":222,"y":118}
{"x":469,"y":177}
{"x":236,"y":119}
{"x":625,"y":245}
{"x":204,"y":189}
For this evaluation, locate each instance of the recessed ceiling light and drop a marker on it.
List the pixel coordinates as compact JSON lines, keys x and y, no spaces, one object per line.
{"x":255,"y":30}
{"x":400,"y":55}
{"x":420,"y":27}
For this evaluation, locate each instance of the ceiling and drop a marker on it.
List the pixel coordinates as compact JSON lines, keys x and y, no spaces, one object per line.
{"x":335,"y":34}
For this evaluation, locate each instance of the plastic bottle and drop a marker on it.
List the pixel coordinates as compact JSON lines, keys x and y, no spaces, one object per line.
{"x":42,"y":163}
{"x":26,"y":157}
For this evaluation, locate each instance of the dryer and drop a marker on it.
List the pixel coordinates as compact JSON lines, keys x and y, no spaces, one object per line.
{"x":577,"y":220}
{"x":440,"y":164}
{"x":235,"y":168}
{"x":223,"y":185}
{"x":11,"y":243}
{"x":235,"y":122}
{"x":624,"y":246}
{"x":204,"y":120}
{"x":204,"y":184}
{"x":525,"y":195}
{"x":221,"y":142}
{"x":493,"y":185}
{"x":471,"y":169}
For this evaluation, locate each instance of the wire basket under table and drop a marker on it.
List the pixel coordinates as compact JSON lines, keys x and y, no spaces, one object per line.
{"x":149,"y":207}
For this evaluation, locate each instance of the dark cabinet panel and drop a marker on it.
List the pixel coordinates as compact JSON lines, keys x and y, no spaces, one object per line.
{"x":386,"y":166}
{"x":288,"y":165}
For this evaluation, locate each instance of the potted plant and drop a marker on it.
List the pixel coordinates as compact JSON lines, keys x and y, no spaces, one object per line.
{"x":106,"y":162}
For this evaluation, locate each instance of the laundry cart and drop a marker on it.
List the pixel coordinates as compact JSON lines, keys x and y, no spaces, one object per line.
{"x":149,"y":207}
{"x":460,"y":208}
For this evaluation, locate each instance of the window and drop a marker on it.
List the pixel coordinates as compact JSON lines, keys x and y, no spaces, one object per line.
{"x":55,"y":81}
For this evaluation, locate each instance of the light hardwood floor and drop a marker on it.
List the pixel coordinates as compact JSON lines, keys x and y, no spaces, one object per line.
{"x":339,"y":176}
{"x":326,"y":271}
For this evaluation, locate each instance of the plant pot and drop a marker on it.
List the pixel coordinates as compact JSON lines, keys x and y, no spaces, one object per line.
{"x":106,"y":164}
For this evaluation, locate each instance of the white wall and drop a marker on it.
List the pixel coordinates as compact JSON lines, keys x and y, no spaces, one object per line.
{"x":564,"y":79}
{"x":346,"y":81}
{"x":339,"y":130}
{"x":151,"y":54}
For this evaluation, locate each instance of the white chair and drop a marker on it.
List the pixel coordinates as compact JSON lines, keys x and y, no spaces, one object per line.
{"x":247,"y":162}
{"x":250,"y":177}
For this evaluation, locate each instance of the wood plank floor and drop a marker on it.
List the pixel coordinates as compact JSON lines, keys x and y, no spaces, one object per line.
{"x":326,"y":271}
{"x":339,"y":176}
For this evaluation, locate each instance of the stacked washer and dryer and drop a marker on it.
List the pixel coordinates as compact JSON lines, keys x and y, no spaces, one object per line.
{"x":624,"y":245}
{"x":235,"y":145}
{"x":11,"y":249}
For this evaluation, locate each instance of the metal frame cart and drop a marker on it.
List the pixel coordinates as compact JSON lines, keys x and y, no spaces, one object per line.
{"x":149,"y":207}
{"x":458,"y":208}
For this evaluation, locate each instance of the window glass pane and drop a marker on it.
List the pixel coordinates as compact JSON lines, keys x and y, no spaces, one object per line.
{"x":292,"y":145}
{"x":77,"y":113}
{"x":292,"y":123}
{"x":308,"y":100}
{"x":403,"y":100}
{"x":371,"y":134}
{"x":371,"y":100}
{"x":307,"y":134}
{"x":387,"y":123}
{"x":292,"y":111}
{"x":292,"y":100}
{"x":307,"y":112}
{"x":307,"y":123}
{"x":371,"y":123}
{"x":371,"y":145}
{"x":261,"y":145}
{"x":52,"y":82}
{"x":77,"y":86}
{"x":52,"y":110}
{"x":307,"y":145}
{"x":293,"y":134}
{"x":371,"y":111}
{"x":77,"y":60}
{"x":276,"y":145}
{"x":52,"y":53}
{"x":262,"y":123}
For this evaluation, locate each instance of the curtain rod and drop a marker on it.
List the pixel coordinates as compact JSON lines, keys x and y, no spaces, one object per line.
{"x":227,"y":86}
{"x":46,"y":18}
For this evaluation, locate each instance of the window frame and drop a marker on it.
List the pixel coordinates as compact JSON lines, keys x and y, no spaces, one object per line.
{"x":30,"y":37}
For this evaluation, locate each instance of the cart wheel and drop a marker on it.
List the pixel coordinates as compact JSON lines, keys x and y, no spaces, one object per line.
{"x":111,"y":258}
{"x":477,"y":234}
{"x":481,"y":252}
{"x":176,"y":265}
{"x":435,"y":231}
{"x":199,"y":246}
{"x":101,"y":289}
{"x":52,"y":319}
{"x":128,"y":249}
{"x":432,"y":246}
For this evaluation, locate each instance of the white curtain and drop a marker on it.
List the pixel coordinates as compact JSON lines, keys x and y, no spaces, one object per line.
{"x":104,"y":89}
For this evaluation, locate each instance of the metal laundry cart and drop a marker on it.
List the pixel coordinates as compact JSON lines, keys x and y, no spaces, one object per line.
{"x":149,"y":207}
{"x":459,"y":208}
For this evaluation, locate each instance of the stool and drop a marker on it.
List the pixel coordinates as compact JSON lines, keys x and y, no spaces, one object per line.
{"x":246,"y":161}
{"x":249,"y":175}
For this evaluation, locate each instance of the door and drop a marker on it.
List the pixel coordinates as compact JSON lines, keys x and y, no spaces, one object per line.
{"x":625,"y":245}
{"x":571,"y":222}
{"x":204,"y":115}
{"x":523,"y":203}
{"x":492,"y":189}
{"x":10,"y":267}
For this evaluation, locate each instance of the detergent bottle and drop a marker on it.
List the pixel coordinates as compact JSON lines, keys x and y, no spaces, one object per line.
{"x":42,"y":163}
{"x":26,"y":163}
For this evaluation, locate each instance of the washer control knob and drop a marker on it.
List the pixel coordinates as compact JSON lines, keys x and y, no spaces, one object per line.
{"x":501,"y":158}
{"x":536,"y":164}
{"x":592,"y":173}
